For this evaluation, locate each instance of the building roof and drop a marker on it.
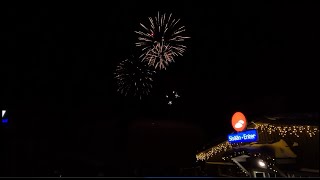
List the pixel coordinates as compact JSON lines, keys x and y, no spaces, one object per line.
{"x":292,"y":118}
{"x":280,"y":149}
{"x":300,"y":120}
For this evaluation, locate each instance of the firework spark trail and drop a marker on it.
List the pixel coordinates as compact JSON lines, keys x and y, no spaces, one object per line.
{"x":161,"y":40}
{"x":134,"y":77}
{"x":159,"y":56}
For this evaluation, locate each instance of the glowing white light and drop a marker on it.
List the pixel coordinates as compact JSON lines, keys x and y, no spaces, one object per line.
{"x":170,"y":102}
{"x":262,"y":164}
{"x":3,"y":112}
{"x":239,"y":124}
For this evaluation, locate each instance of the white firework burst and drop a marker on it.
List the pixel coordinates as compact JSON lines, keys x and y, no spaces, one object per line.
{"x":161,"y":40}
{"x":134,"y":77}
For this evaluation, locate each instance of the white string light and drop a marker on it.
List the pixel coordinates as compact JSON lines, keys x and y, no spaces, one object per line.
{"x":281,"y":130}
{"x":222,"y":147}
{"x":288,"y":130}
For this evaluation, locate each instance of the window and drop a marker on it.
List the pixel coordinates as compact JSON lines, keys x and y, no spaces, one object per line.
{"x":258,"y":174}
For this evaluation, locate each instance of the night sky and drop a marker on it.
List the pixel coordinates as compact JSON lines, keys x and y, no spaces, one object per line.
{"x":59,"y":88}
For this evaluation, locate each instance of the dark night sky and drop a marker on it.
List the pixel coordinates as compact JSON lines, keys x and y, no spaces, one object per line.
{"x":255,"y":57}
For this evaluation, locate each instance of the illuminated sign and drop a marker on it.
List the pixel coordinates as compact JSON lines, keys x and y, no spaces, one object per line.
{"x":4,"y":120}
{"x":239,"y":122}
{"x":244,"y":137}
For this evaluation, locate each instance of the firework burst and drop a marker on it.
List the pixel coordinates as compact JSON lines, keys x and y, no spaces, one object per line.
{"x":171,"y":97}
{"x":134,"y":77}
{"x":161,"y":40}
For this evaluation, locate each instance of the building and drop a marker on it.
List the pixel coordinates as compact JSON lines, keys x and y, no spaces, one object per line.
{"x":287,"y":146}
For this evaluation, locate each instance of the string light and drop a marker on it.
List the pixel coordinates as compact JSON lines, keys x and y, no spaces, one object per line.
{"x":281,"y":130}
{"x":222,"y":147}
{"x":287,"y":130}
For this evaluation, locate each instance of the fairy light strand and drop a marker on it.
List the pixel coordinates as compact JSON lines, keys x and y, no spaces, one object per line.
{"x":282,"y":130}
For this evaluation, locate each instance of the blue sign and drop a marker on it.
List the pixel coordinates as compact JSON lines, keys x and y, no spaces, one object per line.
{"x":4,"y":121}
{"x":244,"y":136}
